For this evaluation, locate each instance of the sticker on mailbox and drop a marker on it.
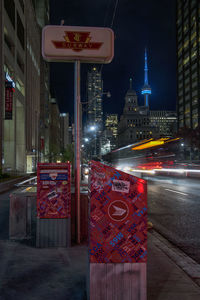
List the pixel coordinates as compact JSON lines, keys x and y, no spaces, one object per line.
{"x":118,"y":210}
{"x":120,"y":186}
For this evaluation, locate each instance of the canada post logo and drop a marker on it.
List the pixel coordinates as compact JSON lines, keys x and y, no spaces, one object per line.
{"x":118,"y":210}
{"x":77,"y":41}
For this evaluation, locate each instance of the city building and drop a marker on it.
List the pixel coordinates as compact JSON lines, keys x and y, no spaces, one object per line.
{"x":21,"y":138}
{"x":95,"y":110}
{"x":134,"y":123}
{"x":188,"y":63}
{"x":41,"y":8}
{"x":111,"y":132}
{"x":32,"y":88}
{"x":111,"y":123}
{"x":20,"y":61}
{"x":165,"y":121}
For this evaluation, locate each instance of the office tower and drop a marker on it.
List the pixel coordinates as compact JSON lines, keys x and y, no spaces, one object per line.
{"x":95,"y":111}
{"x":188,"y":63}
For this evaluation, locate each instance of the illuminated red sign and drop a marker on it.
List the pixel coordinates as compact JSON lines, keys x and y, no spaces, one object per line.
{"x":118,"y":216}
{"x":8,"y":100}
{"x":72,"y":43}
{"x":53,"y":190}
{"x":77,"y":41}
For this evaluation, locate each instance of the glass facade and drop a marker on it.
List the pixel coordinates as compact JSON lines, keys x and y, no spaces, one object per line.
{"x":188,"y":66}
{"x":95,"y":110}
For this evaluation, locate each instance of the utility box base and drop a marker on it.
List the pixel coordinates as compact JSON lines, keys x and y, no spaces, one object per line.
{"x":119,"y":281}
{"x":53,"y":233}
{"x":21,"y":215}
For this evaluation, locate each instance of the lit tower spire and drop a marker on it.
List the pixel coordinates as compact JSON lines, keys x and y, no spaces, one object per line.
{"x":146,"y":90}
{"x":130,"y":80}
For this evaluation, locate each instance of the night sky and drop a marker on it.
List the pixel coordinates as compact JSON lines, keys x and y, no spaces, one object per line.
{"x":137,"y":24}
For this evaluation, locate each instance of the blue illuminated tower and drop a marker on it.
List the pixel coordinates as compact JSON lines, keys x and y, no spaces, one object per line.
{"x":146,"y":90}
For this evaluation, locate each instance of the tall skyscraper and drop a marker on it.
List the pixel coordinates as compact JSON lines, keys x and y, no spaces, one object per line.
{"x":188,"y":63}
{"x":95,"y":111}
{"x":146,"y":90}
{"x":94,"y":90}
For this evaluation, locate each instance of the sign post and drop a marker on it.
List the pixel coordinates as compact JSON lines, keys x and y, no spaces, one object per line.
{"x":77,"y":44}
{"x":77,"y":143}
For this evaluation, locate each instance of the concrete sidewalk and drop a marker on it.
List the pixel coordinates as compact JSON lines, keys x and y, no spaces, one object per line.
{"x":28,"y":273}
{"x":165,"y":279}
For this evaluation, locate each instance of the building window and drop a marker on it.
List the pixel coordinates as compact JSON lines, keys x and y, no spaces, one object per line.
{"x":194,"y":66}
{"x":181,"y":109}
{"x":20,"y":87}
{"x":20,"y":31}
{"x":187,"y":80}
{"x":186,"y":60}
{"x":21,"y":2}
{"x":187,"y":122}
{"x":9,"y":44}
{"x":194,"y":101}
{"x":187,"y":97}
{"x":20,"y":63}
{"x":10,"y":9}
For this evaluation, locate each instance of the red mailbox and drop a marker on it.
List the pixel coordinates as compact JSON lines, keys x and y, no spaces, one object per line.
{"x":53,"y":190}
{"x":118,"y":216}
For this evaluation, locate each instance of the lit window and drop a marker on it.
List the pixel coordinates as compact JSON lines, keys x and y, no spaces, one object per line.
{"x":186,"y":60}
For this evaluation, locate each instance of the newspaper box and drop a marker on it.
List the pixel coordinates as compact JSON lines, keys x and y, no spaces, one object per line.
{"x":117,"y":233}
{"x":53,"y":204}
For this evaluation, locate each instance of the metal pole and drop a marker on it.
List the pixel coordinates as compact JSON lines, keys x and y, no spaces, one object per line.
{"x":77,"y":144}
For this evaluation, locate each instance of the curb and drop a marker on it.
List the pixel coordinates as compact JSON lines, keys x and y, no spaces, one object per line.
{"x":9,"y":184}
{"x":187,"y":264}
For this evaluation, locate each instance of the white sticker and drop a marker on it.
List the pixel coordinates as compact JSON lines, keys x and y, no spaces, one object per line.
{"x":120,"y":186}
{"x":53,"y":175}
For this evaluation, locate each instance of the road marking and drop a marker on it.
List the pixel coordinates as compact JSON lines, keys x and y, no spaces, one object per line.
{"x":176,"y":192}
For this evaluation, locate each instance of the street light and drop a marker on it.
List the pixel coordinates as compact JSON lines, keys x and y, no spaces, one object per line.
{"x":92,"y":128}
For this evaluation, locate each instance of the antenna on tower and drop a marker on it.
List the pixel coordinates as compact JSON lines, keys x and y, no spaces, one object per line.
{"x":130,"y":83}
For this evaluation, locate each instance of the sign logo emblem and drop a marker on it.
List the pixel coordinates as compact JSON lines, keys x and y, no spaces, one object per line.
{"x":53,"y":176}
{"x":77,"y":41}
{"x":118,"y":210}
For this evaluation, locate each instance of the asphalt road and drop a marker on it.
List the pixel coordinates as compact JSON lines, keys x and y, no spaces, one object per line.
{"x":174,"y":209}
